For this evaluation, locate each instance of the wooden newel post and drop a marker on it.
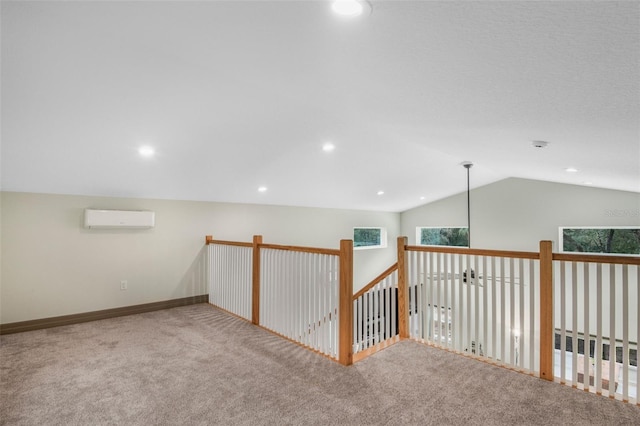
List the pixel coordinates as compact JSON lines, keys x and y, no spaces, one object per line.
{"x":208,"y":239}
{"x":403,"y":290}
{"x":345,"y":304}
{"x":255,"y":285}
{"x":546,"y":311}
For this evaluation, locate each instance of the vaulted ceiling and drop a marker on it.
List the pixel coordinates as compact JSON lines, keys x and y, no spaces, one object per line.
{"x":235,"y":95}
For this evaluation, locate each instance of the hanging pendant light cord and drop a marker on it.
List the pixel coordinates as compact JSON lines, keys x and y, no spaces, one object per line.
{"x":467,"y":165}
{"x":468,"y":209}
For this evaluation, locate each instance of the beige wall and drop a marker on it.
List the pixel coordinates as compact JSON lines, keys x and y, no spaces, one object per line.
{"x":515,"y":214}
{"x":53,"y":266}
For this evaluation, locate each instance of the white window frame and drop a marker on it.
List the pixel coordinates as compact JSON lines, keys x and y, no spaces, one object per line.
{"x":383,"y":238}
{"x":419,"y":235}
{"x":561,"y":240}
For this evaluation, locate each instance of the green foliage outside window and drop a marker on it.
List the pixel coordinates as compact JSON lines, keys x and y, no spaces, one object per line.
{"x":366,"y":237}
{"x":455,"y":237}
{"x":601,"y":240}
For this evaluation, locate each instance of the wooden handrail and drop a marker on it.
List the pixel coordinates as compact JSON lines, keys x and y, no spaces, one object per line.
{"x":333,"y":252}
{"x":597,"y":258}
{"x":390,"y":270}
{"x":478,"y":252}
{"x":315,"y":250}
{"x":229,"y":243}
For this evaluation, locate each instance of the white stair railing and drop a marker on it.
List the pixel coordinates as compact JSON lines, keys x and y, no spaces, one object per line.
{"x":299,"y":297}
{"x":375,"y":312}
{"x":230,"y":277}
{"x":505,"y":307}
{"x":476,"y":304}
{"x":597,"y":326}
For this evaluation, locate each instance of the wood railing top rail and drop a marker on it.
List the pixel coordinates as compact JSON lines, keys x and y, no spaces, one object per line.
{"x":314,"y":250}
{"x":333,"y":252}
{"x":570,"y":257}
{"x":230,"y":243}
{"x":390,"y":270}
{"x":476,"y":252}
{"x":596,"y":258}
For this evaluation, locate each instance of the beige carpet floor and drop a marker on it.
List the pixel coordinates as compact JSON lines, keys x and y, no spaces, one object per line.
{"x":196,"y":365}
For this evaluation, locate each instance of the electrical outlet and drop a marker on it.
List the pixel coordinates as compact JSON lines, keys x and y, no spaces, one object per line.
{"x":123,"y":284}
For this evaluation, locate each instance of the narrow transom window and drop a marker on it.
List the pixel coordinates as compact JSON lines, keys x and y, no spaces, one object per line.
{"x":369,"y":237}
{"x":615,"y":240}
{"x":453,"y":236}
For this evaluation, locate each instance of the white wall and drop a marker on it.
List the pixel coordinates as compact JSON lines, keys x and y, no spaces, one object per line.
{"x":516,"y":214}
{"x":53,"y":266}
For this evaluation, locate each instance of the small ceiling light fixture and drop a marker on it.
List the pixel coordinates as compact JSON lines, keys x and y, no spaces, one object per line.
{"x":539,"y":144}
{"x":348,"y":7}
{"x":380,"y":192}
{"x":146,"y":151}
{"x":262,"y":189}
{"x":571,"y":170}
{"x":328,"y":147}
{"x":588,"y":183}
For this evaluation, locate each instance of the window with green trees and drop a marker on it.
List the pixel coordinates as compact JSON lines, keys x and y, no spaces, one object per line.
{"x":369,"y":237}
{"x":436,"y":236}
{"x":601,"y":240}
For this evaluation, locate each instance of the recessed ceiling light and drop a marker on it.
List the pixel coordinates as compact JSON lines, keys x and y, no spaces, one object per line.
{"x":422,"y":198}
{"x":570,"y":170}
{"x":588,"y":183}
{"x":380,"y":192}
{"x":347,"y":7}
{"x":262,"y":189}
{"x":146,"y":151}
{"x":540,"y":144}
{"x":328,"y":147}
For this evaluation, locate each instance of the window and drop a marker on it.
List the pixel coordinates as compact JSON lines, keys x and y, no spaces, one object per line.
{"x":366,"y":238}
{"x":619,"y":240}
{"x":435,"y":236}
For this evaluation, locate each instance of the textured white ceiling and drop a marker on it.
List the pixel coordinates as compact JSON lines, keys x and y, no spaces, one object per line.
{"x":234,"y":95}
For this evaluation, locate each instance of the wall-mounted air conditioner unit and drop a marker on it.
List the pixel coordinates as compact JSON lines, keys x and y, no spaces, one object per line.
{"x":119,"y":218}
